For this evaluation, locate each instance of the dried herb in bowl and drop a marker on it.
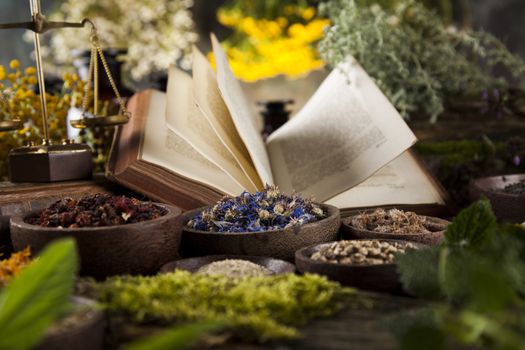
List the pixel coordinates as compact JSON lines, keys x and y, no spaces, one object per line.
{"x":97,"y":210}
{"x":391,"y":221}
{"x":12,"y":266}
{"x":515,"y":188}
{"x":262,"y":211}
{"x":366,"y":252}
{"x":234,"y":268}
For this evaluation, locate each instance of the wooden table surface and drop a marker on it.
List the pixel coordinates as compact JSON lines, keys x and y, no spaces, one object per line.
{"x":358,"y":327}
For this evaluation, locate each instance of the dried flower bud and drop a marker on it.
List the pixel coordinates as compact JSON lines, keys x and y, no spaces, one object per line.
{"x":264,"y":214}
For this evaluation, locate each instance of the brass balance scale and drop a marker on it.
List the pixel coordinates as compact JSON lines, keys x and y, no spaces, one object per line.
{"x":49,"y":162}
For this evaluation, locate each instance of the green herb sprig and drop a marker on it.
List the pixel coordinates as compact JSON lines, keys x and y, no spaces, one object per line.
{"x":476,"y":279}
{"x":417,"y":60}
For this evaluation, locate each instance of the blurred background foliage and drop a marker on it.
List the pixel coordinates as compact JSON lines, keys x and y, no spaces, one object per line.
{"x":272,"y":38}
{"x":499,"y":17}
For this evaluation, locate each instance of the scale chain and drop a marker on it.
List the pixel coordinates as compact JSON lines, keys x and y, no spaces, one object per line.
{"x":110,"y":77}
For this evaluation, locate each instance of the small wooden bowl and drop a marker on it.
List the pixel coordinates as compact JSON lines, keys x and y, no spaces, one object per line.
{"x":506,"y":206}
{"x":280,"y":244}
{"x":278,"y":267}
{"x":87,"y":335}
{"x":379,"y":278}
{"x":437,"y":227}
{"x":139,"y":248}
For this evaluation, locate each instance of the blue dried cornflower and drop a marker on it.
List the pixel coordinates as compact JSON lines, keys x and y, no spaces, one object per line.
{"x":261,"y":211}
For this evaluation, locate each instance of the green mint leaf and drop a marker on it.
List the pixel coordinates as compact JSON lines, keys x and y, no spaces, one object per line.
{"x":473,"y":225}
{"x":35,"y":299}
{"x":418,"y":271}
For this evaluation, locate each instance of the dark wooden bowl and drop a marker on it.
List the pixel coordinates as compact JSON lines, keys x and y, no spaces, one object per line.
{"x":380,"y":278}
{"x":278,"y":267}
{"x":280,"y":244}
{"x":139,"y":248}
{"x":437,"y":227}
{"x":506,"y":206}
{"x":87,"y":335}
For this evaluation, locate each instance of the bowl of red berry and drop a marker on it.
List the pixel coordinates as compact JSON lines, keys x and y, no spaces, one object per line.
{"x":115,"y":235}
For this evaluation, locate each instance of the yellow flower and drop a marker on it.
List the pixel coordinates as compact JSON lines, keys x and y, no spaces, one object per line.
{"x":262,"y":48}
{"x":32,"y":80}
{"x":308,"y":13}
{"x":14,"y":64}
{"x":282,"y":21}
{"x":11,"y":77}
{"x":228,"y":18}
{"x":2,"y":72}
{"x":20,"y":94}
{"x":30,"y":70}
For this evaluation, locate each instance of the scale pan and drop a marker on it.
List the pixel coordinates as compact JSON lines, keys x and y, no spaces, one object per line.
{"x":94,"y":121}
{"x":11,"y":125}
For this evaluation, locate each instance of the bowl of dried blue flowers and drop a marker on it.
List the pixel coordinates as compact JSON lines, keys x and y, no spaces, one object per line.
{"x":266,"y":223}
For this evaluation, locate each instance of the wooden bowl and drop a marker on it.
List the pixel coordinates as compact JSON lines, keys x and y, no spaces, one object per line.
{"x":506,"y":206}
{"x":278,"y":267}
{"x":437,"y":227}
{"x":86,"y":335}
{"x":280,"y":244}
{"x":138,"y":248}
{"x":379,"y":278}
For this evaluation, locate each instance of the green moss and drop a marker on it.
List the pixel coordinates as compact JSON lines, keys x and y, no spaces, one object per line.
{"x":257,"y":308}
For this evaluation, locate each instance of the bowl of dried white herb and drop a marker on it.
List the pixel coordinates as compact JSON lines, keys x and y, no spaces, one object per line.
{"x":233,"y":266}
{"x":365,"y":263}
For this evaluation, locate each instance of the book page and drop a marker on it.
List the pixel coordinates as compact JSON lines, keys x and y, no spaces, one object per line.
{"x":186,"y":119}
{"x":240,"y":111}
{"x":346,"y":132}
{"x":402,"y":181}
{"x":210,"y":102}
{"x":165,"y":148}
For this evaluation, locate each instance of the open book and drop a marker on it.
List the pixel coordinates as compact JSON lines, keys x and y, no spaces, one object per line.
{"x":347,"y":146}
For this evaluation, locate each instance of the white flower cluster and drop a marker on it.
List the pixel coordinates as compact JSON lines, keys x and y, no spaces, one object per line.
{"x":156,"y":33}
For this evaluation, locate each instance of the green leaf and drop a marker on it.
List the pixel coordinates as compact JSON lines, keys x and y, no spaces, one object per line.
{"x":451,"y":271}
{"x":38,"y":296}
{"x":473,"y":225}
{"x":176,"y":339}
{"x":419,"y":272}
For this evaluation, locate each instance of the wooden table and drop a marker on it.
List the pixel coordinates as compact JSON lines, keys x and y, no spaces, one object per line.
{"x":357,"y":327}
